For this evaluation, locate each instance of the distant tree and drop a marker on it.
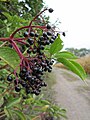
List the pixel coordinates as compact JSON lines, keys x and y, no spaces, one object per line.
{"x":79,"y":52}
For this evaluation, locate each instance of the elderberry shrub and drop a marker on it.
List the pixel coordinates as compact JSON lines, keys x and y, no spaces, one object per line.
{"x":35,"y":63}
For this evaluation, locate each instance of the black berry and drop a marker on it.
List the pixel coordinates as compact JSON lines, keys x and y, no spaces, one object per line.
{"x":9,"y":78}
{"x":50,"y":10}
{"x":30,"y":41}
{"x":25,"y":34}
{"x":49,"y":33}
{"x":32,"y":34}
{"x":48,"y":26}
{"x":64,"y":34}
{"x":36,"y":35}
{"x":29,"y":51}
{"x":17,"y":89}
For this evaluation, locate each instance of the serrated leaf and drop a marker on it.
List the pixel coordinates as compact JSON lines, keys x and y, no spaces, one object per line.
{"x":9,"y":56}
{"x":19,"y":114}
{"x":56,"y":46}
{"x":65,"y":54}
{"x":74,"y":67}
{"x":13,"y":102}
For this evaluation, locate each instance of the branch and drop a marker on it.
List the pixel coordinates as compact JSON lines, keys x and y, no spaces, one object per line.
{"x":3,"y":44}
{"x":12,"y":35}
{"x":4,"y":39}
{"x":36,"y":18}
{"x":17,"y":49}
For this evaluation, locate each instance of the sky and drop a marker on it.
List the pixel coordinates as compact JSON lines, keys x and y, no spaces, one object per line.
{"x":74,"y":16}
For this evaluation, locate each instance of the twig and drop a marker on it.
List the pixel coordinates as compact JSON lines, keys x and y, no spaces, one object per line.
{"x":3,"y":67}
{"x":3,"y":44}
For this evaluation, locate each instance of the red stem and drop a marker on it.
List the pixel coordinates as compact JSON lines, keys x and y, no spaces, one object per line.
{"x":40,"y":27}
{"x":12,"y":35}
{"x":4,"y":39}
{"x":17,"y":49}
{"x":8,"y":39}
{"x":36,"y":18}
{"x":16,"y":39}
{"x":24,"y":43}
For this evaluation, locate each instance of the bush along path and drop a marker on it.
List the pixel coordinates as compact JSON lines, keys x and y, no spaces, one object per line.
{"x":25,"y":56}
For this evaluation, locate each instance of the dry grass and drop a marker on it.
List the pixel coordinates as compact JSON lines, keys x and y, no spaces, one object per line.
{"x":84,"y":61}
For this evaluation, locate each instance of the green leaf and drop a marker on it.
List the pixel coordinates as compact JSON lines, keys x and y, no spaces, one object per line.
{"x":7,"y":15}
{"x":63,"y":115}
{"x":74,"y":67}
{"x":13,"y":102}
{"x":1,"y":101}
{"x":19,"y":114}
{"x":81,"y":69}
{"x":3,"y":85}
{"x":7,"y":112}
{"x":56,"y":46}
{"x":65,"y":54}
{"x":2,"y":62}
{"x":40,"y":97}
{"x":19,"y":19}
{"x":9,"y":56}
{"x":45,"y":102}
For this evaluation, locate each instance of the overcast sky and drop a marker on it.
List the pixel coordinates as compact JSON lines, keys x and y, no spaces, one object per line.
{"x":74,"y":16}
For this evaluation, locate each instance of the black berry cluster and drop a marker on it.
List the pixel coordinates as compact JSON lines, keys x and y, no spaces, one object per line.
{"x":35,"y":62}
{"x":31,"y":75}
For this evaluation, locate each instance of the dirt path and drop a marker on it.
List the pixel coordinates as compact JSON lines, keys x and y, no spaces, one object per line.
{"x":72,"y":94}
